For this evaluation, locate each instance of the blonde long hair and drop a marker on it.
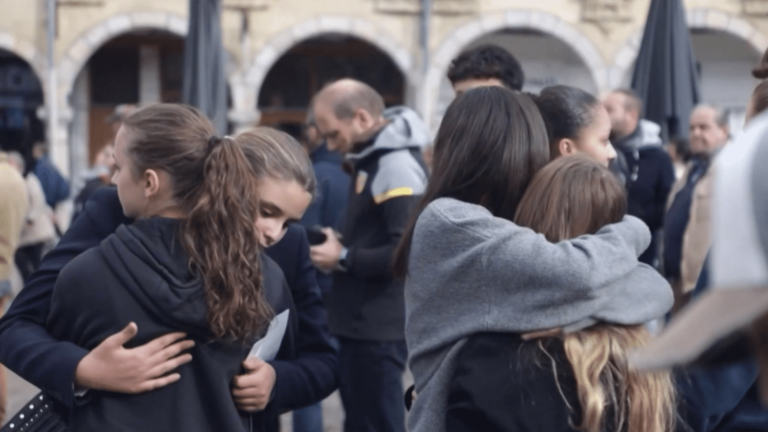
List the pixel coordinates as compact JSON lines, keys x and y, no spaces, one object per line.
{"x":573,"y":196}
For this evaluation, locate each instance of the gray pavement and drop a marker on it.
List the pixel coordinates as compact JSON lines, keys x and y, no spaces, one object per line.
{"x":19,"y":392}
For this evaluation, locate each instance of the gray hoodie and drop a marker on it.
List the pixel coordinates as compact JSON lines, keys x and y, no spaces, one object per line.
{"x":389,"y":175}
{"x":470,"y":272}
{"x":404,"y":130}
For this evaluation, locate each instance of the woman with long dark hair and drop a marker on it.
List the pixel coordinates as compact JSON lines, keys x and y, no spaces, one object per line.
{"x":470,"y":269}
{"x":580,"y":381}
{"x":192,"y":262}
{"x":576,"y":122}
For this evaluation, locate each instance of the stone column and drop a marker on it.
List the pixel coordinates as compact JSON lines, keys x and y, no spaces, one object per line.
{"x":59,"y":150}
{"x":79,"y":139}
{"x":243,"y":113}
{"x":150,"y":81}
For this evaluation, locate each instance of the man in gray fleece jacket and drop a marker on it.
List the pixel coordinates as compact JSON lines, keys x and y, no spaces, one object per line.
{"x":471,"y":272}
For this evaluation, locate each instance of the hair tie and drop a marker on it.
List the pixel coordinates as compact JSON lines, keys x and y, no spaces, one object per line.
{"x":213,"y":141}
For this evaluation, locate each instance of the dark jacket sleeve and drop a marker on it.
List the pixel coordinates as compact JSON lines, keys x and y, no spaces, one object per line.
{"x":314,"y":214}
{"x":327,"y":210}
{"x":653,"y":209}
{"x":377,"y":262}
{"x":663,"y":187}
{"x":313,"y":375}
{"x":26,"y":347}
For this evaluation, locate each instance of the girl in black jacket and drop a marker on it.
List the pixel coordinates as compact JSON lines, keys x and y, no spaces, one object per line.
{"x":193,"y":262}
{"x":579,"y":381}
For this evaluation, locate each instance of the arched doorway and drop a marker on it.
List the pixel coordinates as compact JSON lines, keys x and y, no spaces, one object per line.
{"x":21,"y":95}
{"x":137,"y":68}
{"x":725,"y":61}
{"x":304,"y":69}
{"x":546,"y":60}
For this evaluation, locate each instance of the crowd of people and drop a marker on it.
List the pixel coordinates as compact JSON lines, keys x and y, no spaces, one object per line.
{"x":518,"y":263}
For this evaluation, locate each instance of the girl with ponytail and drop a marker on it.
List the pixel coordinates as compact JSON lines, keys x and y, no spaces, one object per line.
{"x":192,"y":262}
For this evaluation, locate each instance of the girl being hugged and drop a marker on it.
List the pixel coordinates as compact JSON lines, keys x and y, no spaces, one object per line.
{"x":191,"y":262}
{"x":580,"y":381}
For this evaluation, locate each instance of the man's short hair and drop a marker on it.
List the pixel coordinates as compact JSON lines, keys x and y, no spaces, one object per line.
{"x":722,"y":116}
{"x":486,"y":62}
{"x":632,"y":101}
{"x":352,"y":96}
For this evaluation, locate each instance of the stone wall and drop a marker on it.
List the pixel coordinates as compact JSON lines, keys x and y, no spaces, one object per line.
{"x":602,"y":35}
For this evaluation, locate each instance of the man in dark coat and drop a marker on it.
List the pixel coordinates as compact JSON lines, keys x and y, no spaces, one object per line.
{"x":649,"y":174}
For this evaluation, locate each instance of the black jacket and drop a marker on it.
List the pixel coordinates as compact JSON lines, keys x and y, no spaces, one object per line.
{"x":721,"y":396}
{"x":649,"y":178}
{"x":389,"y":175}
{"x":30,"y":351}
{"x":677,"y":217}
{"x":141,"y":274}
{"x":503,"y":384}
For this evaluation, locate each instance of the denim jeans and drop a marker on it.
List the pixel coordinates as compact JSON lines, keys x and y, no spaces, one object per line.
{"x":308,"y":419}
{"x":372,"y":385}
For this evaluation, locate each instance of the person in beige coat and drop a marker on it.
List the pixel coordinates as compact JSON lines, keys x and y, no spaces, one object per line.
{"x":38,"y":229}
{"x":13,"y":210}
{"x":708,"y":135}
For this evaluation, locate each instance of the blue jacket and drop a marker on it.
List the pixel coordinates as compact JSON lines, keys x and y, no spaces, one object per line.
{"x":28,"y":349}
{"x":55,"y":187}
{"x":328,"y":208}
{"x":330,"y":204}
{"x":649,"y":179}
{"x":721,"y":398}
{"x":676,"y":220}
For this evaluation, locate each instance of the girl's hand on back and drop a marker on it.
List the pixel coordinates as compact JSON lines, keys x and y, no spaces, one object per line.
{"x":112,"y":367}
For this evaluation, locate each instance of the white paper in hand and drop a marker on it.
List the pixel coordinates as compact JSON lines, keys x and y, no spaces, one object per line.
{"x":267,"y":347}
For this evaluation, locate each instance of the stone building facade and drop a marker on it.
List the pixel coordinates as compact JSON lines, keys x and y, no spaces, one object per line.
{"x":588,"y":43}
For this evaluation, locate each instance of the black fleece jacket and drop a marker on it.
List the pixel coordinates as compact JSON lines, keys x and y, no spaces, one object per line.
{"x":141,"y":274}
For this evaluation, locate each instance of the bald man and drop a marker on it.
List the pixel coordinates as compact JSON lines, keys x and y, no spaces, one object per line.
{"x":366,"y":307}
{"x":687,"y":224}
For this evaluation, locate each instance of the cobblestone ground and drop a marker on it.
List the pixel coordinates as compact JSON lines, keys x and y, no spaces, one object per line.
{"x":20,"y":391}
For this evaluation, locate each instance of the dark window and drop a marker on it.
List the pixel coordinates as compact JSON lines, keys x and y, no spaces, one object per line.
{"x":115,"y":76}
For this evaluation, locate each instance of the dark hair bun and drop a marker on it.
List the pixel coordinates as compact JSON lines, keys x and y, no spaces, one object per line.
{"x":761,"y":71}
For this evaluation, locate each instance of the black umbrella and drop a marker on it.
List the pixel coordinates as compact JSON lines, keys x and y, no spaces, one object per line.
{"x":205,"y":85}
{"x":666,"y":77}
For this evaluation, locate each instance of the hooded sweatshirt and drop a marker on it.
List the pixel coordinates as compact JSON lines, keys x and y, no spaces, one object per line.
{"x":649,"y":176}
{"x":141,"y":274}
{"x":388,"y":176}
{"x":470,"y":272}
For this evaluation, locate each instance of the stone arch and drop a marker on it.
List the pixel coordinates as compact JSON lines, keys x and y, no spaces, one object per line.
{"x":28,"y":52}
{"x":363,"y":29}
{"x":540,"y":21}
{"x":698,"y":18}
{"x":85,"y":45}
